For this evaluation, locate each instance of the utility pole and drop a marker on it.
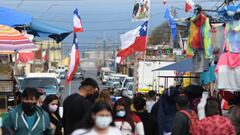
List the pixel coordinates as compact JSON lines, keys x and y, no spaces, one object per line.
{"x":49,"y":54}
{"x":97,"y":53}
{"x":41,"y":52}
{"x":104,"y":50}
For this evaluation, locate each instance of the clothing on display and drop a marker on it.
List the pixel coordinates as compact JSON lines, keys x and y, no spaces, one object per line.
{"x":199,"y":36}
{"x":208,"y":76}
{"x":232,"y":31}
{"x":200,"y":63}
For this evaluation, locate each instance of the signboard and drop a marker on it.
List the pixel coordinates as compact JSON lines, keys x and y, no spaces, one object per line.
{"x":141,"y":10}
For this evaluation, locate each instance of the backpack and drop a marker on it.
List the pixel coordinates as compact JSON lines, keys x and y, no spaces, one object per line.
{"x":194,"y":126}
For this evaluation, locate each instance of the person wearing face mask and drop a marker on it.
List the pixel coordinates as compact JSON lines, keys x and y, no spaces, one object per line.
{"x":51,"y":106}
{"x":99,"y":121}
{"x":128,"y":122}
{"x":27,"y":118}
{"x":76,"y":106}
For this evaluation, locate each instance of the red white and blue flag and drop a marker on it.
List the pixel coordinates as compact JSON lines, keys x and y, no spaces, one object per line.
{"x":77,"y":22}
{"x":132,"y":41}
{"x":74,"y":60}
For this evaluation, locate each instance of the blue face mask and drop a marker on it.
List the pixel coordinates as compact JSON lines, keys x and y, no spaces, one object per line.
{"x":121,"y":114}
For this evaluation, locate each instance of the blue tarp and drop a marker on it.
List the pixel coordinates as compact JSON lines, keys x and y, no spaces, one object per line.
{"x":11,"y":17}
{"x":181,"y":66}
{"x":42,"y":29}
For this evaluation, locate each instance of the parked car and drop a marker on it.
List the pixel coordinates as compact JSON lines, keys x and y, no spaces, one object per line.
{"x":46,"y":81}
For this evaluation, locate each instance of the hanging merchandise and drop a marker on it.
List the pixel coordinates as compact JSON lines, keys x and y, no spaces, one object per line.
{"x":233,"y":36}
{"x":200,"y":63}
{"x":208,"y":76}
{"x":217,"y":34}
{"x":228,"y":71}
{"x":141,"y":10}
{"x":199,"y":36}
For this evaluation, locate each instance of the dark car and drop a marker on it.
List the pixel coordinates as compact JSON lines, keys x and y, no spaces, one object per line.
{"x":79,"y":74}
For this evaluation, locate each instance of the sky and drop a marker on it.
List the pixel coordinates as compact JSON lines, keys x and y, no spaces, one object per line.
{"x":100,"y":17}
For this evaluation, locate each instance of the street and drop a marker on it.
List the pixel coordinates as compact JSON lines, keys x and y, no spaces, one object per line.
{"x":89,"y":73}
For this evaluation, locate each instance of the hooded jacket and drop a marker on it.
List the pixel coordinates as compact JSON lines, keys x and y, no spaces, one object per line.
{"x":166,"y":110}
{"x":17,"y":122}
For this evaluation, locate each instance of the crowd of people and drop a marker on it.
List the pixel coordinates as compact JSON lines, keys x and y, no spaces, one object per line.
{"x":92,"y":111}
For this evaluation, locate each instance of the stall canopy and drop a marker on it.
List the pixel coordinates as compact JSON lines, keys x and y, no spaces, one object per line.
{"x":42,"y":29}
{"x":13,"y":18}
{"x":181,"y":66}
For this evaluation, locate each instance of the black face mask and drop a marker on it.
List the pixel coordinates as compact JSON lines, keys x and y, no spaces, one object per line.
{"x":29,"y":108}
{"x":91,"y":98}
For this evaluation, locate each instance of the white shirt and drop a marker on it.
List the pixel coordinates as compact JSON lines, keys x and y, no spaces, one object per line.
{"x":149,"y":105}
{"x":111,"y":131}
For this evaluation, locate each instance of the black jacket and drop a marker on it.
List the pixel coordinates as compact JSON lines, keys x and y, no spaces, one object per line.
{"x":181,"y":124}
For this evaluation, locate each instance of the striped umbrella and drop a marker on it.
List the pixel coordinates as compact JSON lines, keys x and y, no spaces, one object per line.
{"x":12,"y":41}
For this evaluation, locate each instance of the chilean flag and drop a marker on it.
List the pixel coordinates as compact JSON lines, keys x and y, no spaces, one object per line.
{"x":189,"y":5}
{"x":132,"y":41}
{"x":74,"y":60}
{"x":25,"y":57}
{"x":77,"y":22}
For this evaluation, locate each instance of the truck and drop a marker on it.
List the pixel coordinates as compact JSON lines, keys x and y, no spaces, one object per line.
{"x":146,"y":79}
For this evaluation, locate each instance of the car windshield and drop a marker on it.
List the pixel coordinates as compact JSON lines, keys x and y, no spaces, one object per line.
{"x":126,"y":81}
{"x":107,"y":73}
{"x":122,"y":79}
{"x":130,"y":87}
{"x":46,"y":83}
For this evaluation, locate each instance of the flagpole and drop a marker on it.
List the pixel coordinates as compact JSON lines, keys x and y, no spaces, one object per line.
{"x":70,"y":88}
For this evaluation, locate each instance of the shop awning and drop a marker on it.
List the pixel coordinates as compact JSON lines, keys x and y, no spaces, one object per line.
{"x":181,"y":66}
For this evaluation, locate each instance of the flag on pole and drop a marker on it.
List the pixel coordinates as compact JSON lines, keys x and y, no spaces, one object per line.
{"x":172,"y":24}
{"x":132,"y":41}
{"x":189,"y":5}
{"x":77,"y":22}
{"x":180,"y":41}
{"x":74,"y":60}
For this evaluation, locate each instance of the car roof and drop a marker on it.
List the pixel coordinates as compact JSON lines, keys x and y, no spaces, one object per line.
{"x":41,"y":75}
{"x":119,"y":75}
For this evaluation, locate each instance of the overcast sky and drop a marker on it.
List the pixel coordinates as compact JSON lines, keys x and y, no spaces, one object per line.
{"x":111,"y":17}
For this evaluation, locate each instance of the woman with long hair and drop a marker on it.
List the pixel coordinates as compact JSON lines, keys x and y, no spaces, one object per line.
{"x":51,"y":106}
{"x":128,"y":122}
{"x":105,"y":96}
{"x":99,"y":121}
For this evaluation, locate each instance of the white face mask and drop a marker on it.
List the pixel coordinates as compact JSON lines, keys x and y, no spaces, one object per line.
{"x":103,"y":121}
{"x":52,"y":108}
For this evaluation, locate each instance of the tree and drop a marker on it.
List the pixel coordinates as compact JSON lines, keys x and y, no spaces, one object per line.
{"x":160,"y":35}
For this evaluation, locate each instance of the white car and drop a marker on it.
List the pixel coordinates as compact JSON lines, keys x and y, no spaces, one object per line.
{"x":46,"y":81}
{"x":129,"y":90}
{"x":126,"y":81}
